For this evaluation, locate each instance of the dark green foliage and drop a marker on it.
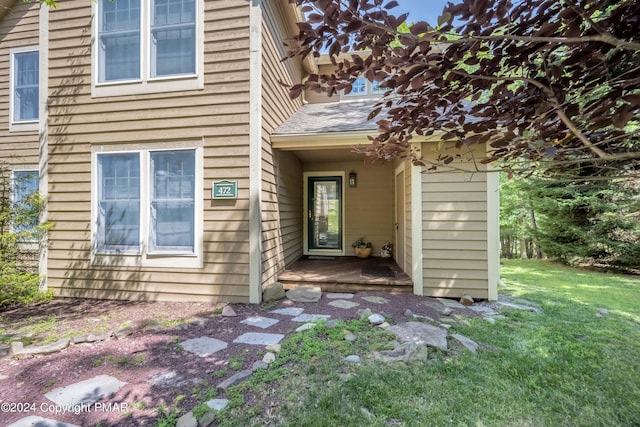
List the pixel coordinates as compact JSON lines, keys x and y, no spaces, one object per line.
{"x":595,"y":221}
{"x":21,"y":238}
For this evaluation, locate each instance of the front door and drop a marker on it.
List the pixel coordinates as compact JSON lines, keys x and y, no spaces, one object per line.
{"x":324,"y":213}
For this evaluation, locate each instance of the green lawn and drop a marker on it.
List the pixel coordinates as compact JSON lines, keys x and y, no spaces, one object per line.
{"x":564,"y":367}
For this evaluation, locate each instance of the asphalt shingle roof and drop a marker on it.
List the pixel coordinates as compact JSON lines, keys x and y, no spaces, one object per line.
{"x":330,"y":117}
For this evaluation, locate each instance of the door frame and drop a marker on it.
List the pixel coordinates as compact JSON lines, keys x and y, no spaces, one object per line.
{"x":305,"y":210}
{"x":401,"y":228}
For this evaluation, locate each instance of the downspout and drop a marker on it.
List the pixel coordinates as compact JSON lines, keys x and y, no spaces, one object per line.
{"x":255,"y":151}
{"x":43,"y":146}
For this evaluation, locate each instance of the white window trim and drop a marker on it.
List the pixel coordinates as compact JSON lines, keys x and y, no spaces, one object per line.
{"x":21,"y":126}
{"x":147,"y":84}
{"x":368,"y":94}
{"x":145,"y":258}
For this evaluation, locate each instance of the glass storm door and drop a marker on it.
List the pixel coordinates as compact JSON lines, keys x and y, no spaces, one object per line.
{"x":325,"y":212}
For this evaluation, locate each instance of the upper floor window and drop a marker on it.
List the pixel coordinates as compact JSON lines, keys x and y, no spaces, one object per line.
{"x":363,"y":88}
{"x":24,"y":86}
{"x":146,"y":41}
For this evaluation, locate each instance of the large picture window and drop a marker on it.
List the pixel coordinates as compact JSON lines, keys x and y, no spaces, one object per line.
{"x":140,"y":40}
{"x":25,"y":86}
{"x":164,"y":198}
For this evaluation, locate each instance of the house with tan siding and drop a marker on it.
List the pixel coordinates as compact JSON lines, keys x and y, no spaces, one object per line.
{"x":176,"y":167}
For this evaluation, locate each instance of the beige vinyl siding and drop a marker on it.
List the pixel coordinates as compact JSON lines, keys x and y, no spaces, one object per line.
{"x":215,"y":118}
{"x":280,"y":191}
{"x":369,"y":206}
{"x":19,"y":27}
{"x":408,"y":240}
{"x":455,"y":230}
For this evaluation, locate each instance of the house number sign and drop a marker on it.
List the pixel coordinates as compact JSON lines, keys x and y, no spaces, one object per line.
{"x":225,"y":189}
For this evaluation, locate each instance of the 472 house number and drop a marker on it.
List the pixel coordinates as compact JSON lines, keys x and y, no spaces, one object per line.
{"x":225,"y":189}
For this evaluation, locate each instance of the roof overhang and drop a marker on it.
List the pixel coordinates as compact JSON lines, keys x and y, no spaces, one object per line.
{"x":332,"y":140}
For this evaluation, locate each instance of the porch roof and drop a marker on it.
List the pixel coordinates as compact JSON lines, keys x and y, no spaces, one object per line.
{"x":345,"y":116}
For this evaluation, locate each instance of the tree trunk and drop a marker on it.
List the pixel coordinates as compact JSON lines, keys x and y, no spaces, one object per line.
{"x":534,"y":226}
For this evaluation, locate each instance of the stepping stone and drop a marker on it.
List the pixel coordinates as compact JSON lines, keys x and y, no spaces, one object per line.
{"x":421,"y":334}
{"x":85,"y":392}
{"x":434,"y":304}
{"x":340,"y":303}
{"x":470,"y":345}
{"x":305,"y":327}
{"x":171,"y":379}
{"x":218,"y":404}
{"x":338,"y":295}
{"x":305,"y":294}
{"x":311,"y":317}
{"x":483,"y":309}
{"x":376,"y":300}
{"x":18,"y":349}
{"x":34,"y":421}
{"x":203,"y":346}
{"x":450,"y":303}
{"x":288,"y":311}
{"x":258,"y":338}
{"x":260,"y":322}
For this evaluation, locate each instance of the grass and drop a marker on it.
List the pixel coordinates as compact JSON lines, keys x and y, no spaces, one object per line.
{"x":565,"y":366}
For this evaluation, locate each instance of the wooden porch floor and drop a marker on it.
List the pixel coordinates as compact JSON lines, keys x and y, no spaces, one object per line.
{"x":347,"y":274}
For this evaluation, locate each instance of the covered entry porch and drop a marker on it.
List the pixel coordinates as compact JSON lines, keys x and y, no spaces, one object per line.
{"x":347,"y":274}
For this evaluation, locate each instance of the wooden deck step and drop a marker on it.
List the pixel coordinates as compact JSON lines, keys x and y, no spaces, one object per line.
{"x":351,"y":287}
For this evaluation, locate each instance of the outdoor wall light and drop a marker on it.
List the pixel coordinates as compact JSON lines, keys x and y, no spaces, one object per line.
{"x":353,"y":179}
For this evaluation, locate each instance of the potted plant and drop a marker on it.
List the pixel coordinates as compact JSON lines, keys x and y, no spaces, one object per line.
{"x":362,"y":248}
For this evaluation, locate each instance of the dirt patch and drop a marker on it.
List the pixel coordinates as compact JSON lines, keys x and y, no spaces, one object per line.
{"x":158,"y":372}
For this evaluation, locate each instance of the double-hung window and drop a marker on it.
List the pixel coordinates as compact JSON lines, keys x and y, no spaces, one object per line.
{"x":24,"y":86}
{"x":362,"y":88}
{"x":142,"y":41}
{"x":146,"y":199}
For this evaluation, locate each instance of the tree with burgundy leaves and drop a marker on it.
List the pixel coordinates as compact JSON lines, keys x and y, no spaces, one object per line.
{"x":551,"y":86}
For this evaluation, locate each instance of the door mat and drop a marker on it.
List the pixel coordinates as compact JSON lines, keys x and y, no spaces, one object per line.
{"x":377,"y":271}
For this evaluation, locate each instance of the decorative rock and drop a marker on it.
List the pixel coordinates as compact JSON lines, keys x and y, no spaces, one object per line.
{"x":384,"y":325}
{"x":354,"y":358}
{"x":203,"y":346}
{"x":364,"y":313}
{"x":338,"y":295}
{"x":198,"y":322}
{"x":123,"y":332}
{"x":85,"y":392}
{"x":376,"y":300}
{"x":187,"y":420}
{"x":274,"y":348}
{"x":305,"y":294}
{"x":408,"y":313}
{"x":257,"y":338}
{"x":484,"y":310}
{"x":470,"y":345}
{"x":304,"y":317}
{"x":207,"y":420}
{"x":89,"y":338}
{"x":376,"y":319}
{"x":466,"y":300}
{"x":598,"y":315}
{"x":406,"y":352}
{"x":446,"y":311}
{"x":273,"y":292}
{"x":305,"y":327}
{"x":259,"y":321}
{"x":289,"y":311}
{"x":17,"y":348}
{"x":331,"y":324}
{"x":602,"y":311}
{"x":450,"y":303}
{"x":349,"y":336}
{"x":228,"y":311}
{"x":4,"y":350}
{"x":343,"y":304}
{"x":421,"y":333}
{"x":235,"y":379}
{"x":268,"y":358}
{"x":218,"y":404}
{"x":259,"y":364}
